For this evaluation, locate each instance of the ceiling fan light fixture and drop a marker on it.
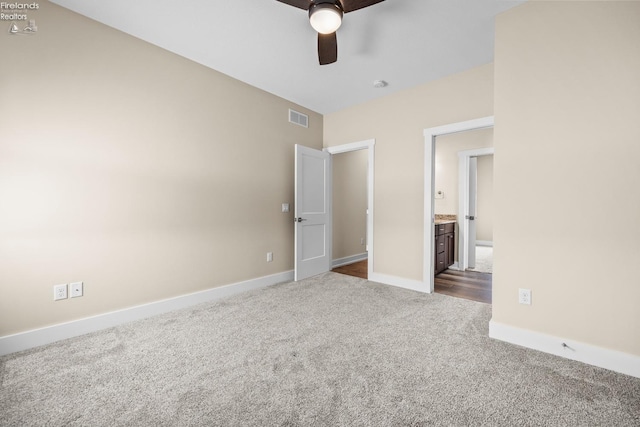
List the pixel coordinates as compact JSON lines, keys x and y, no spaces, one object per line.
{"x":325,"y":18}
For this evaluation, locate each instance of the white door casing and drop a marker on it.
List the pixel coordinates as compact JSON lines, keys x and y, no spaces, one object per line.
{"x":313,"y":232}
{"x":430,"y":135}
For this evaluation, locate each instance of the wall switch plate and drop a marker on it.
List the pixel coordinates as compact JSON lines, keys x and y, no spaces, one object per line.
{"x":75,"y":289}
{"x":59,"y":292}
{"x":285,"y":207}
{"x":524,"y":296}
{"x":269,"y":256}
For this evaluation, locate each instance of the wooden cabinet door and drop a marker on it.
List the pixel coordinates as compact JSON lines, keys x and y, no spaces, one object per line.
{"x":444,"y":248}
{"x":450,"y":247}
{"x":440,"y":263}
{"x":441,"y":242}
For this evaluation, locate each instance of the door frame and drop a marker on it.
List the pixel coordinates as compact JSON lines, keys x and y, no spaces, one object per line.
{"x":430,"y":135}
{"x":463,"y":200}
{"x":369,"y":145}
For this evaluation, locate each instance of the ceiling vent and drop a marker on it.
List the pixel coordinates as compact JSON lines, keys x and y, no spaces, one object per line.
{"x":298,"y":118}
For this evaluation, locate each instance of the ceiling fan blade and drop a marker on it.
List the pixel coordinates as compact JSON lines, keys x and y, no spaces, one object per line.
{"x":327,"y":48}
{"x":300,"y":4}
{"x":351,"y":5}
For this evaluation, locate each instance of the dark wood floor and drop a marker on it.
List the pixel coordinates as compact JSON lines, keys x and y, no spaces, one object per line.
{"x":461,"y":284}
{"x":464,"y":284}
{"x":358,"y":269}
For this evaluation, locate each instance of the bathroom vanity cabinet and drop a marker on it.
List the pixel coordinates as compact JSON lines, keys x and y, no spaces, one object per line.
{"x":445,"y":237}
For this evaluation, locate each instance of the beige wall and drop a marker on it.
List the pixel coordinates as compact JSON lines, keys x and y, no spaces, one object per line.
{"x":484,"y":213}
{"x":349,"y":203}
{"x":567,"y":103}
{"x":446,"y":165}
{"x":141,"y":173}
{"x":397,"y":123}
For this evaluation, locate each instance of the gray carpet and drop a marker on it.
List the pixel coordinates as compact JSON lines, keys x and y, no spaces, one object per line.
{"x":333,"y":350}
{"x":484,"y":259}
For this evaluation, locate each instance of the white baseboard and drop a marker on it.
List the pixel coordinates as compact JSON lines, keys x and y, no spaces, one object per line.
{"x":401,"y":282}
{"x":484,"y":243}
{"x":49,"y":334}
{"x":348,"y":260}
{"x":613,"y":360}
{"x":454,"y":266}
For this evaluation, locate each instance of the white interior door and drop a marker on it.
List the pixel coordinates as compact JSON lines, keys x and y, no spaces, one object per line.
{"x":312,"y":212}
{"x":471,"y":215}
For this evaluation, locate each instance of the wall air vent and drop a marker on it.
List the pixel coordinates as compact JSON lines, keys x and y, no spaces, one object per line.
{"x":298,"y":118}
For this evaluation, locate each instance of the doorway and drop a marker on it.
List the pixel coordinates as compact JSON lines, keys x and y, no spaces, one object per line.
{"x":462,"y":175}
{"x":475,"y":209}
{"x":483,"y":246}
{"x":429,"y":184}
{"x":353,"y":208}
{"x":349,"y":241}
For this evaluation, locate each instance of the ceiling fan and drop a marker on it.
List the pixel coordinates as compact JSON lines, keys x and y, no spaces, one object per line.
{"x":325,"y":17}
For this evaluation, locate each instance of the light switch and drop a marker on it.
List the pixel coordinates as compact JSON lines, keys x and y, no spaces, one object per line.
{"x":285,"y":207}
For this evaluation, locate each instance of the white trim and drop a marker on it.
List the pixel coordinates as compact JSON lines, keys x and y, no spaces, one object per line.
{"x":400,"y":282}
{"x":339,"y":262}
{"x":454,"y":266}
{"x":430,"y":135}
{"x":463,"y":200}
{"x":37,"y":337}
{"x":353,"y":146}
{"x":613,"y":360}
{"x":488,"y":243}
{"x":369,"y":145}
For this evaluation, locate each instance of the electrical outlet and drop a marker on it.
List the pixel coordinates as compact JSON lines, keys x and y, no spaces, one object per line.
{"x":362,"y":241}
{"x":75,"y":289}
{"x":269,"y":256}
{"x":59,"y":292}
{"x":524,"y":296}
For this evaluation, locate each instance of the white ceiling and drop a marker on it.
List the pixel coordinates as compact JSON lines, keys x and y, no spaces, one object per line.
{"x":271,"y":45}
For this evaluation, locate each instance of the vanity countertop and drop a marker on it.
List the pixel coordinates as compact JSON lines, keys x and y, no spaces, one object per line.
{"x":445,"y":219}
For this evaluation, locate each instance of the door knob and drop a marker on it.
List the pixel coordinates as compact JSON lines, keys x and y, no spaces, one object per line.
{"x":299,"y":219}
{"x":470,"y":217}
